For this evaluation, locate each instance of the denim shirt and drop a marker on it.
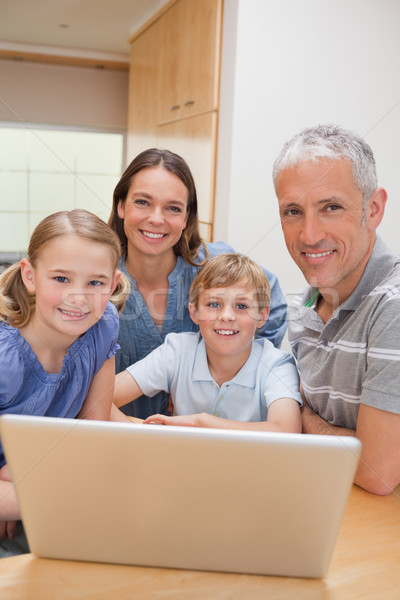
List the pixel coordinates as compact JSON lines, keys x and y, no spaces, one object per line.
{"x":138,"y":335}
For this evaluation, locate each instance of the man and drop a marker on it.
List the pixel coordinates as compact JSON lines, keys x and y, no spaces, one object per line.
{"x":345,"y":328}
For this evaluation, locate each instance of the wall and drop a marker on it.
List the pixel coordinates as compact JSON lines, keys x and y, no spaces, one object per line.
{"x":287,"y":65}
{"x":63,"y":95}
{"x":44,"y":172}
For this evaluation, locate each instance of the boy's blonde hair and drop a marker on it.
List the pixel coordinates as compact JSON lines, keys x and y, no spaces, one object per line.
{"x":17,"y":305}
{"x":229,"y":269}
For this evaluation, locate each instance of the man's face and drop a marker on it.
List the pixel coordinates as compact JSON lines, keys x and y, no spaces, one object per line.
{"x":321,"y":211}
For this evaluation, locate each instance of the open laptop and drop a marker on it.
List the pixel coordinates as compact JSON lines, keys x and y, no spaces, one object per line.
{"x":180,"y":497}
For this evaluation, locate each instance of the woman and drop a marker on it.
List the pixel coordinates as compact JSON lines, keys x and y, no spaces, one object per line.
{"x":155,"y":216}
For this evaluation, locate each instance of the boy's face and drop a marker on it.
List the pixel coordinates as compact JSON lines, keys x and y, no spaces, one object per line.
{"x":228,"y":318}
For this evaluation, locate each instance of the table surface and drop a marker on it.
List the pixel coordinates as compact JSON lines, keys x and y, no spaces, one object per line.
{"x":365,"y":565}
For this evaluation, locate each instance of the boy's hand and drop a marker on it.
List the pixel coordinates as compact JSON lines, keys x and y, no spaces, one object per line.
{"x":198,"y":420}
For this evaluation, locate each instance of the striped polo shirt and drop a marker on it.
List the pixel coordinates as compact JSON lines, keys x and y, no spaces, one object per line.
{"x":355,"y":357}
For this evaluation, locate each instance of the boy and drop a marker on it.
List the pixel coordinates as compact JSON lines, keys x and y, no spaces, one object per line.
{"x":221,"y":377}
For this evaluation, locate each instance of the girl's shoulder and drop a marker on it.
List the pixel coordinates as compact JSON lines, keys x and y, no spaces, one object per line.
{"x":15,"y":355}
{"x":11,"y":342}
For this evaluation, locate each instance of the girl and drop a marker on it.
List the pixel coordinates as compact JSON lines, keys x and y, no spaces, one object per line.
{"x":155,"y":216}
{"x":58,"y":330}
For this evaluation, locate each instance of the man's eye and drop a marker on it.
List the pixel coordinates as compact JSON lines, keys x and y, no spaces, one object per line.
{"x":332,"y":207}
{"x":291,"y":212}
{"x":61,"y":279}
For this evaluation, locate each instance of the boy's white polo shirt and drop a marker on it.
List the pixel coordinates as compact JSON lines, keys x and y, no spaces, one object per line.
{"x":179,"y":367}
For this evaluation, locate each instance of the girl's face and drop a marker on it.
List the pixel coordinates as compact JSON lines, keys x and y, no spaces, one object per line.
{"x":155,"y":211}
{"x":72,"y":280}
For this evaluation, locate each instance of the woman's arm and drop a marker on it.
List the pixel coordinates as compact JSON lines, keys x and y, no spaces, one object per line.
{"x":283,"y":416}
{"x":97,"y":404}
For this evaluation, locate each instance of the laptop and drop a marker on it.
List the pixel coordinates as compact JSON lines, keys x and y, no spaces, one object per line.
{"x":180,"y":497}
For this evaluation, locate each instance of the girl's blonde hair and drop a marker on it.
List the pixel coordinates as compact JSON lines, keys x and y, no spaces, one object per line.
{"x":229,"y":269}
{"x":17,"y":305}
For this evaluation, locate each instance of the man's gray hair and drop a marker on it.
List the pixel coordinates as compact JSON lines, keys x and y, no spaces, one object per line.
{"x":331,"y":142}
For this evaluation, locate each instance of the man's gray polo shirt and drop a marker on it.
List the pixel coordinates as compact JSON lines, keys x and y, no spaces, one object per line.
{"x":355,"y":357}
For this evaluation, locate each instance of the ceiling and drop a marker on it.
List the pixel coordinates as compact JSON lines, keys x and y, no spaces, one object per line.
{"x":81,"y":26}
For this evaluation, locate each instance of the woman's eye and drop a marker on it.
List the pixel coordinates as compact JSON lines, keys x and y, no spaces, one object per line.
{"x":141,"y":202}
{"x":61,"y":279}
{"x":176,"y":209}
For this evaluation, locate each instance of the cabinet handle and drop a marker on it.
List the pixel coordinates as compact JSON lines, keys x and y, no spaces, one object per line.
{"x":174,"y":107}
{"x":188,"y":102}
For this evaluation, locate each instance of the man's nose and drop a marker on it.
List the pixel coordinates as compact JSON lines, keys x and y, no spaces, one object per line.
{"x":312,"y":231}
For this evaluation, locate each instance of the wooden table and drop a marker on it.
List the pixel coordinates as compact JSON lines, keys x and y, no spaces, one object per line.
{"x":365,"y":565}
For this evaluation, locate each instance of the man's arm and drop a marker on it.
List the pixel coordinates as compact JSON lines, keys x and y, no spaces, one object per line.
{"x":379,"y":431}
{"x":379,"y":467}
{"x":313,"y":423}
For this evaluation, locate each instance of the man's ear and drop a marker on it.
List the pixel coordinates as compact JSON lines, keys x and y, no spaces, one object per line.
{"x":263,"y":316}
{"x":28,"y":275}
{"x":376,"y":208}
{"x":193,"y":313}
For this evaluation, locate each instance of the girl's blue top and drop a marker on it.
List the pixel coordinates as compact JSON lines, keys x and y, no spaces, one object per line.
{"x":138,"y":334}
{"x":26,"y":388}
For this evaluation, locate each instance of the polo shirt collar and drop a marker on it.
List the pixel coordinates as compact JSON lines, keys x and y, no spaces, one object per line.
{"x":378,"y":268}
{"x":247,"y":375}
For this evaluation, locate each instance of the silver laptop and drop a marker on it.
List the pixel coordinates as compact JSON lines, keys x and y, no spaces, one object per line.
{"x":180,"y":497}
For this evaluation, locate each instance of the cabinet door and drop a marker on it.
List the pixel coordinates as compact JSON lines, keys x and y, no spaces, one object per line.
{"x":195,"y":140}
{"x":144,"y":90}
{"x":190,"y":60}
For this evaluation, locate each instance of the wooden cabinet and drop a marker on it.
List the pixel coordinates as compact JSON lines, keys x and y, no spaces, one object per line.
{"x":190,"y":59}
{"x":174,"y":91}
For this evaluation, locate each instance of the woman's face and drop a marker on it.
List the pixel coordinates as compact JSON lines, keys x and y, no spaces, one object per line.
{"x":155,"y":211}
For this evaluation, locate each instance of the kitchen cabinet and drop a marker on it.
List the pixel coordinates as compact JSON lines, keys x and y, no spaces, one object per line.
{"x":174,"y":91}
